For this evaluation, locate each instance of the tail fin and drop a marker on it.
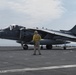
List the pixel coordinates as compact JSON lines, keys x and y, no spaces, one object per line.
{"x":73,"y":30}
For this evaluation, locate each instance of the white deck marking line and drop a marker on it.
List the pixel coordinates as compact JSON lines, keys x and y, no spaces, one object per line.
{"x":37,"y":69}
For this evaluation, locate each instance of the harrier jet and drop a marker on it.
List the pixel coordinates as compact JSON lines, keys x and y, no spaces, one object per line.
{"x":24,"y":36}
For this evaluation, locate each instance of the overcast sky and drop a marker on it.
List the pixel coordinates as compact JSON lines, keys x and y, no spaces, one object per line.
{"x":52,"y":14}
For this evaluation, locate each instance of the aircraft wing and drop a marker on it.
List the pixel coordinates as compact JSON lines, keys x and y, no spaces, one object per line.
{"x":57,"y":33}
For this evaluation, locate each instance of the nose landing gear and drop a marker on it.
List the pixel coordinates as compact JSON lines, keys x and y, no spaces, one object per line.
{"x":24,"y":46}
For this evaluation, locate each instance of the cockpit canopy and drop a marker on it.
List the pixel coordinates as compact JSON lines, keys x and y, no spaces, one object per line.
{"x":13,"y":27}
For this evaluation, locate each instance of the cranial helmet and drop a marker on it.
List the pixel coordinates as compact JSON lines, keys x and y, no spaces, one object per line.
{"x":36,"y":32}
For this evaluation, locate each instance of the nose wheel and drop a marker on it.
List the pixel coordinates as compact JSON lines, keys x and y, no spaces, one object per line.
{"x":24,"y":46}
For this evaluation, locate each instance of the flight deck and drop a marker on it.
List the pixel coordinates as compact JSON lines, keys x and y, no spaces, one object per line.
{"x":16,"y":61}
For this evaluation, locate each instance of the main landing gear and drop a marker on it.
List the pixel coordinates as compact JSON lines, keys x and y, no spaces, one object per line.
{"x":49,"y":46}
{"x":64,"y":47}
{"x":41,"y":47}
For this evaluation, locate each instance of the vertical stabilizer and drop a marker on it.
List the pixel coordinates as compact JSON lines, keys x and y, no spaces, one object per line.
{"x":73,"y":30}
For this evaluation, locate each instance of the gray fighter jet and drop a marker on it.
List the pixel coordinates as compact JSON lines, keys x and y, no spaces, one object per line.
{"x":24,"y":36}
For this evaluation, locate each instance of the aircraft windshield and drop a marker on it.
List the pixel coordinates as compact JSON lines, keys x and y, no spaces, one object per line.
{"x":13,"y":27}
